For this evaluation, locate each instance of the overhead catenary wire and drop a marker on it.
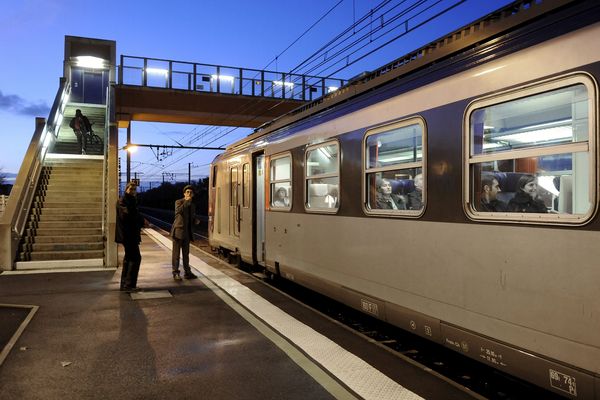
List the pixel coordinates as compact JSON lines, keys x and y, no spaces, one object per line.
{"x":337,"y":51}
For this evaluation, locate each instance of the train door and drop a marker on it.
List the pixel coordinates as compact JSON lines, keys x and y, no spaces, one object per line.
{"x":234,"y":203}
{"x":258,"y":209}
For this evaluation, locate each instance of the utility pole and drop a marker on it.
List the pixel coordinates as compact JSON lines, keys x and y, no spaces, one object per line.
{"x":189,"y":173}
{"x":128,"y":152}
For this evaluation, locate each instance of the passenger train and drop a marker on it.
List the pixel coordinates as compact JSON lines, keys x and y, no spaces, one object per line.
{"x":378,"y":194}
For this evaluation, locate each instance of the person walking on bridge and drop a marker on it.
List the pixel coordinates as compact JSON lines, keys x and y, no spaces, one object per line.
{"x":129,"y":224}
{"x":81,"y":128}
{"x":182,"y":232}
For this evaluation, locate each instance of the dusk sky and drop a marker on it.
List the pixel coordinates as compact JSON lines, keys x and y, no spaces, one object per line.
{"x":238,"y":33}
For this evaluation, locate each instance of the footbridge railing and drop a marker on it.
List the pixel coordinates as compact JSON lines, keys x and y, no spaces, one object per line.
{"x":169,"y":74}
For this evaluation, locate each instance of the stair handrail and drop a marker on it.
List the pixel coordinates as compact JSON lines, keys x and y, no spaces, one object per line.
{"x":14,"y":220}
{"x":105,"y":142}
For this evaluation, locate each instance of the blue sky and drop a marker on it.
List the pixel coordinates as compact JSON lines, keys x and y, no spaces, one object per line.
{"x":238,"y":33}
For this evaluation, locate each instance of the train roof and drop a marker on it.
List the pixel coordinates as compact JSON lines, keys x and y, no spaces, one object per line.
{"x":472,"y":35}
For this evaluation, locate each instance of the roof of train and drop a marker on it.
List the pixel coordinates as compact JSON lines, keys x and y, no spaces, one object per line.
{"x":474,"y":34}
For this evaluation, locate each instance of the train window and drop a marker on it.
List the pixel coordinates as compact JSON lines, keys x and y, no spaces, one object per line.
{"x":246,"y":185}
{"x":394,"y":181}
{"x":531,"y":155}
{"x":281,"y":182}
{"x":322,"y":177}
{"x":214,"y":176}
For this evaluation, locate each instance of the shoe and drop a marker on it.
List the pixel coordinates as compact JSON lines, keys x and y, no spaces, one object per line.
{"x":176,"y":277}
{"x":130,"y":289}
{"x":189,"y":275}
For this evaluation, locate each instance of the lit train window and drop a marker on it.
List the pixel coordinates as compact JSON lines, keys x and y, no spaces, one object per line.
{"x":394,"y":162}
{"x":322,"y":177}
{"x":281,"y":182}
{"x":531,"y":153}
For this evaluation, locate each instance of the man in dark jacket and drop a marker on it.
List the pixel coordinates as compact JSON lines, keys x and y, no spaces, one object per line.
{"x":81,"y":127}
{"x":129,"y":224}
{"x":489,"y":192}
{"x":182,"y":232}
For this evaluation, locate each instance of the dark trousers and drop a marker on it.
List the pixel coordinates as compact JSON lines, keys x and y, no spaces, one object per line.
{"x":131,"y":265}
{"x":81,"y":140}
{"x":182,"y":245}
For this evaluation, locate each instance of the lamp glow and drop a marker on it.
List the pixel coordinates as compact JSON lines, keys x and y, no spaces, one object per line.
{"x":226,"y":78}
{"x":285,"y":84}
{"x":90,"y":62}
{"x":157,"y":71}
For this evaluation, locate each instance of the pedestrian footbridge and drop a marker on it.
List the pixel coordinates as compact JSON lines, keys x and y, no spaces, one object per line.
{"x":60,"y":212}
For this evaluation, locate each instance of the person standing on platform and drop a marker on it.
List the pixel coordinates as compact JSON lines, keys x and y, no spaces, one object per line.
{"x":81,"y":127}
{"x":182,"y":232}
{"x":129,"y":224}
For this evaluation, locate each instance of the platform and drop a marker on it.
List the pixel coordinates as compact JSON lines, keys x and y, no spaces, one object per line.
{"x":223,"y":336}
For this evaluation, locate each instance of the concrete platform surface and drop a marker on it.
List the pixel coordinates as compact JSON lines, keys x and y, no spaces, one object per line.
{"x":217,"y":337}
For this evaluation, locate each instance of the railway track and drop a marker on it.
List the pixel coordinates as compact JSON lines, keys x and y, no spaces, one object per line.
{"x":483,"y":381}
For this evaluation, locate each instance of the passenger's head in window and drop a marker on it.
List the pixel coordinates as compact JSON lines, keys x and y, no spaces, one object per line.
{"x":331,"y":200}
{"x":415,"y":198}
{"x":489,"y":193}
{"x":526,"y":198}
{"x":384,"y":199}
{"x":419,"y":182}
{"x":281,"y":198}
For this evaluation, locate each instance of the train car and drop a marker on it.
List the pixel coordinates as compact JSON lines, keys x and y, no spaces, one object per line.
{"x":452,"y":193}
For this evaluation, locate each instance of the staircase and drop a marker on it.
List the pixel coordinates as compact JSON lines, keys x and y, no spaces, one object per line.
{"x":65,"y":222}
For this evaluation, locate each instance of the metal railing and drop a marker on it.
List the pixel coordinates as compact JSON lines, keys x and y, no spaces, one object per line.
{"x":169,"y":74}
{"x":14,"y":219}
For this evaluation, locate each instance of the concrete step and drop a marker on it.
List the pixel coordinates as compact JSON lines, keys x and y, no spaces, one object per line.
{"x":43,"y":247}
{"x":68,"y":211}
{"x":64,"y":204}
{"x":37,"y":232}
{"x":66,"y":218}
{"x":63,"y":239}
{"x":57,"y":162}
{"x":95,"y":174}
{"x":50,"y":265}
{"x":61,"y":255}
{"x":73,"y":198}
{"x":76,"y":185}
{"x":64,"y":224}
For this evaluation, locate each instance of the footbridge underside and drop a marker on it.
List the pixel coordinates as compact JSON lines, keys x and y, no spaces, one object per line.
{"x":138,"y":103}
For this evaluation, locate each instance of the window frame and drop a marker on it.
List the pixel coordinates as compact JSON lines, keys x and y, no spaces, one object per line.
{"x":589,"y":146}
{"x":273,"y":158}
{"x":246,"y":185}
{"x":379,"y":129}
{"x":322,"y":210}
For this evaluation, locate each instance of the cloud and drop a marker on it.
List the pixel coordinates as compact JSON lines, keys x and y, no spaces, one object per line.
{"x":17,"y":104}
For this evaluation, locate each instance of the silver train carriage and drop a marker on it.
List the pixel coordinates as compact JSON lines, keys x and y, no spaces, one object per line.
{"x":452,"y":193}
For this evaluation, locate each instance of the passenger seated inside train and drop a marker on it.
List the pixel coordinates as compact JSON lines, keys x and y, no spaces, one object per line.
{"x":527,"y":199}
{"x":281,"y":199}
{"x":322,"y":195}
{"x":415,"y":198}
{"x":331,"y":200}
{"x":489,"y":195}
{"x":385,"y":199}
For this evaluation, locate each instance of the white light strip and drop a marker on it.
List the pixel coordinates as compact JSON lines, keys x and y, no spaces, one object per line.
{"x":226,"y":78}
{"x":90,"y":62}
{"x":280,"y":83}
{"x":157,"y":71}
{"x":539,"y":135}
